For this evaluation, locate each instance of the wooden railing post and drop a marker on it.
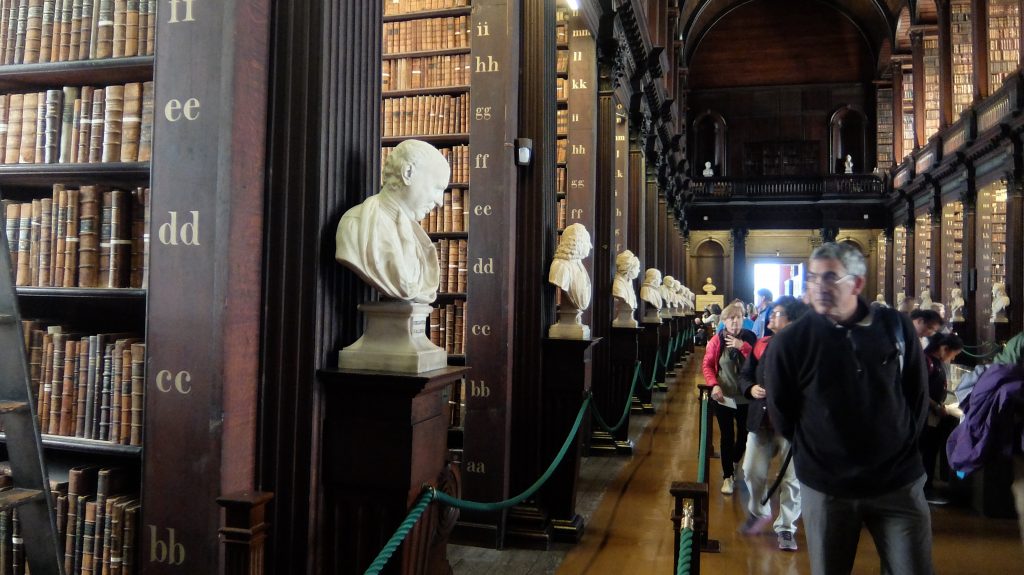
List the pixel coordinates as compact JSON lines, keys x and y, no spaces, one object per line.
{"x":243,"y":532}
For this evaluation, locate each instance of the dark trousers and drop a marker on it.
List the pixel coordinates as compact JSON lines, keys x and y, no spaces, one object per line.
{"x":732,"y":429}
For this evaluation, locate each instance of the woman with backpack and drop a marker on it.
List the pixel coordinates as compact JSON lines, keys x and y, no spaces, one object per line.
{"x":723,"y":359}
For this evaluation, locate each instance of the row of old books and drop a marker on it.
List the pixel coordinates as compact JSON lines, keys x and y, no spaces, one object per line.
{"x":561,"y":179}
{"x":457,"y":157}
{"x":90,"y":238}
{"x":90,"y":386}
{"x":448,"y":327}
{"x":34,"y":31}
{"x":426,"y":35}
{"x":451,"y":216}
{"x":562,"y":62}
{"x":78,"y":125}
{"x":425,"y":115}
{"x":425,"y":72}
{"x":452,"y":259}
{"x":98,"y":522}
{"x":561,"y":220}
{"x":562,"y":122}
{"x":393,"y":7}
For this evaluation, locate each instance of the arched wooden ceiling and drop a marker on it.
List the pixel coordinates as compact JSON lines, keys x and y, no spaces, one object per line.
{"x":875,"y":19}
{"x":756,"y":44}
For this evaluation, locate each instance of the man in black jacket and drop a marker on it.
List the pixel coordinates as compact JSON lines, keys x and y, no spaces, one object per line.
{"x":848,"y":386}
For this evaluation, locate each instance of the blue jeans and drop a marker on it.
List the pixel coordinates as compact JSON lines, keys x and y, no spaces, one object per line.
{"x":899,"y":521}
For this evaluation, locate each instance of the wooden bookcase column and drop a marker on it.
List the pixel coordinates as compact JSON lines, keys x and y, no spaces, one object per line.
{"x":1014,"y":253}
{"x":969,"y":198}
{"x":205,"y":276}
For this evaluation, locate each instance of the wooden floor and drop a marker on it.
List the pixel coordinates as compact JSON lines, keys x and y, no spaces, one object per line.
{"x":628,"y":508}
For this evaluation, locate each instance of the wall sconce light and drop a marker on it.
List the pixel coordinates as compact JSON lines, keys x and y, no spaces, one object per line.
{"x":777,"y":253}
{"x":524,"y":151}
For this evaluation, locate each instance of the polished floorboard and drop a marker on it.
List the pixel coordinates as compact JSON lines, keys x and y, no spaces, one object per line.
{"x":628,"y":507}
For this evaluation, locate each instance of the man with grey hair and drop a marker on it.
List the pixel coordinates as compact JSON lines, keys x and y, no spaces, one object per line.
{"x":848,"y":386}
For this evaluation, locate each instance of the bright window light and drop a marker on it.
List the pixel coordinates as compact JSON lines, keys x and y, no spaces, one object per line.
{"x":573,"y":4}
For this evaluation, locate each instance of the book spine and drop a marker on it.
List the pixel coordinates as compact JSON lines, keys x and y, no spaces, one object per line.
{"x":124,"y":433}
{"x":45,"y":242}
{"x":131,"y":122}
{"x":33,"y":31}
{"x":105,"y":391}
{"x":88,"y":238}
{"x":104,"y":246}
{"x":70,"y":278}
{"x":67,"y":123}
{"x":146,"y":129}
{"x":88,"y":536}
{"x":138,"y":393}
{"x":29,"y":115}
{"x":105,"y":29}
{"x":83,"y":387}
{"x":56,"y":383}
{"x":60,"y":237}
{"x":33,"y":262}
{"x":66,"y":425}
{"x":46,"y":32}
{"x":112,"y":120}
{"x":12,"y":146}
{"x":17,"y":545}
{"x":85,"y":124}
{"x":23,"y":277}
{"x":12,"y":222}
{"x":96,"y":130}
{"x":78,"y":48}
{"x":52,"y":125}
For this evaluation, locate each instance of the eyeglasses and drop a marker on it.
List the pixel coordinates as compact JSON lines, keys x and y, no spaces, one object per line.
{"x":827,"y":279}
{"x":779,"y":314}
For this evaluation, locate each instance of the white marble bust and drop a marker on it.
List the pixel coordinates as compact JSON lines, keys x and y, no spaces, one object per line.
{"x":708,"y":172}
{"x":848,"y":164}
{"x":567,"y":271}
{"x":1000,"y":301}
{"x":956,"y":305}
{"x":381,"y":239}
{"x":627,"y":269}
{"x":926,"y":299}
{"x":880,"y":300}
{"x":667,"y":296}
{"x":650,"y":292}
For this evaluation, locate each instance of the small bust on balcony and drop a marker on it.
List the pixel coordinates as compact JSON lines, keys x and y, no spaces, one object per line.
{"x":1000,"y":301}
{"x":848,"y":164}
{"x":708,"y":172}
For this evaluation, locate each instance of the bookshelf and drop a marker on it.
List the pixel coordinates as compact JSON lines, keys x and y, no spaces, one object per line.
{"x":952,"y":249}
{"x":899,"y":262}
{"x":621,"y":220}
{"x":883,"y":111}
{"x":425,"y":91}
{"x":908,"y":112}
{"x":882,"y":260}
{"x":76,"y":130}
{"x":991,"y":250}
{"x":962,"y":46}
{"x":562,"y":83}
{"x":923,"y":251}
{"x":931,"y":85}
{"x":1003,"y":40}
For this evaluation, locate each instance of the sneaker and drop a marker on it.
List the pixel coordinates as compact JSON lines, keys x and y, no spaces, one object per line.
{"x":727,"y":486}
{"x":754,"y":525}
{"x":786,"y":541}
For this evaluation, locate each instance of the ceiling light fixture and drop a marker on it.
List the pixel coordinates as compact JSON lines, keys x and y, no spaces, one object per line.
{"x":573,"y":4}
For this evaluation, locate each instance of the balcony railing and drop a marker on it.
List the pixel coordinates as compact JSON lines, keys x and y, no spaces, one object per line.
{"x":788,"y":187}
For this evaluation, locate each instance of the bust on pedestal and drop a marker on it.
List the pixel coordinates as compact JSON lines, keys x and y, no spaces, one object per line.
{"x":667,"y":296}
{"x":848,"y":165}
{"x":627,"y":269}
{"x":382,"y":241}
{"x":650,"y":292}
{"x":956,"y":306}
{"x":567,"y":272}
{"x":1000,"y":301}
{"x":708,"y":172}
{"x":880,"y":300}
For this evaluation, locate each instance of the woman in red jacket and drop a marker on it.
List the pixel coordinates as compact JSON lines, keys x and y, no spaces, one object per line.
{"x":726,"y":351}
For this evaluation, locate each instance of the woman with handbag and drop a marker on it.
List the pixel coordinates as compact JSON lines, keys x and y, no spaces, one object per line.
{"x":723,"y":359}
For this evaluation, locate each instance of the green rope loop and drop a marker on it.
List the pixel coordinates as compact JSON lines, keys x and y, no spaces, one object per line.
{"x":399,"y":536}
{"x":654,"y":372}
{"x":685,"y":551}
{"x":701,"y":472}
{"x":981,"y":356}
{"x":982,"y":344}
{"x":498,"y":506}
{"x":625,"y":411}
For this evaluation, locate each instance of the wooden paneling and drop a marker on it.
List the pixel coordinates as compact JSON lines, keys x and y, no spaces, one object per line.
{"x":758,"y":44}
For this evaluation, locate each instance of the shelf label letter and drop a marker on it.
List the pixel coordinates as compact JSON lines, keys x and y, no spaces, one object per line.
{"x":482,"y":29}
{"x":481,"y":267}
{"x":485,"y":66}
{"x":480,"y":161}
{"x":182,"y":382}
{"x":484,"y":210}
{"x":579,"y":84}
{"x":577,"y":213}
{"x":577,"y":56}
{"x":479,"y":389}
{"x":174,"y":110}
{"x":483,"y":113}
{"x":171,"y":552}
{"x":174,"y":11}
{"x":189,"y":232}
{"x":480,"y":329}
{"x":476,"y":467}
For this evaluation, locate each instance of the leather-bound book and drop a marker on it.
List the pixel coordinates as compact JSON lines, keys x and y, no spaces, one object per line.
{"x":88,"y":236}
{"x":97,"y":121}
{"x":70,"y":276}
{"x":113,"y":113}
{"x":131,"y":122}
{"x":12,"y":146}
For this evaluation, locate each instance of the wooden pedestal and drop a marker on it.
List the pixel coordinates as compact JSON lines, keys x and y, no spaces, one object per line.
{"x":612,"y":397}
{"x":666,"y":332}
{"x":649,"y":344}
{"x":384,"y":437}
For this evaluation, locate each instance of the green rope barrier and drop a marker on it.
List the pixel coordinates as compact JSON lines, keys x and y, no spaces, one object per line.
{"x":701,"y":472}
{"x":981,"y":356}
{"x":685,"y":551}
{"x":625,"y":411}
{"x":982,"y":344}
{"x":654,"y":372}
{"x":399,"y":536}
{"x":477,"y":506}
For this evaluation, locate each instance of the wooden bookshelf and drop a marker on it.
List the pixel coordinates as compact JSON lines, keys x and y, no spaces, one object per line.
{"x":962,"y":45}
{"x":445,"y":90}
{"x":952,"y":249}
{"x":931,"y":85}
{"x":79,"y":72}
{"x":884,"y":143}
{"x":425,"y":53}
{"x":81,"y":293}
{"x":37,"y":175}
{"x":923,"y":255}
{"x":908,"y":112}
{"x":899,"y":262}
{"x":1003,"y":40}
{"x":86,"y":446}
{"x":990,"y":251}
{"x":880,"y":269}
{"x":395,"y":16}
{"x":620,"y":233}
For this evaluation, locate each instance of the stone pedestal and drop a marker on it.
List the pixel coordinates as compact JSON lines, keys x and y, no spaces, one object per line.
{"x":384,"y":437}
{"x":649,"y":343}
{"x":611,"y":392}
{"x":395,"y":340}
{"x":624,"y":315}
{"x":665,"y":332}
{"x":569,"y":325}
{"x":651,"y":315}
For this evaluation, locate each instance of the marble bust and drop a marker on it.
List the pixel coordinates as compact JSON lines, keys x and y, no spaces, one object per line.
{"x":1000,"y":301}
{"x":956,"y":305}
{"x":567,"y":272}
{"x":650,"y":292}
{"x":926,"y":299}
{"x":627,"y":269}
{"x":880,"y":300}
{"x":668,"y":296}
{"x":848,"y":165}
{"x":381,"y":239}
{"x":708,"y":172}
{"x":709,"y":288}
